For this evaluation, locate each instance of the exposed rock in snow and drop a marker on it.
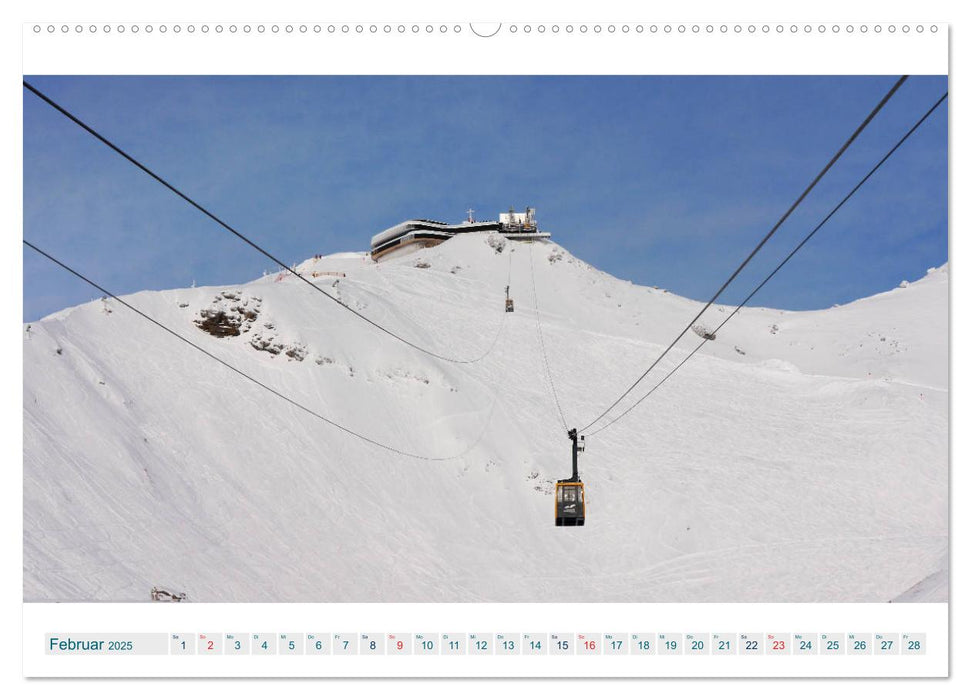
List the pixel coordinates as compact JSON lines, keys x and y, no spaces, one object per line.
{"x":229,"y":314}
{"x":496,"y":242}
{"x":270,"y":344}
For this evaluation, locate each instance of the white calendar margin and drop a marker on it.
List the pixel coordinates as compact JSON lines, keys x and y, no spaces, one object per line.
{"x":931,"y":619}
{"x":673,"y":49}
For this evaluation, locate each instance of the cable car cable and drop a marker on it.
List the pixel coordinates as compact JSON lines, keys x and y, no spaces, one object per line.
{"x":502,"y":320}
{"x":509,"y":272}
{"x":273,"y":391}
{"x":542,"y":344}
{"x":784,"y":261}
{"x":757,"y":248}
{"x":242,"y":237}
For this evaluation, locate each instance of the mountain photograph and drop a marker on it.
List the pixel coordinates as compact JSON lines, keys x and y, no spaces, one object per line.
{"x":244,"y":381}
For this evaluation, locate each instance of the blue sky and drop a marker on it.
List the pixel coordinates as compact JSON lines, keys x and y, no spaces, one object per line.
{"x":666,"y":181}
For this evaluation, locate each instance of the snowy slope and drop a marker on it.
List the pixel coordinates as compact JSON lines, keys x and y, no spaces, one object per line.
{"x":813,"y":467}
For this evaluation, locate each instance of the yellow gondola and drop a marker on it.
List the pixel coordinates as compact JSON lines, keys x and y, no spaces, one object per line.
{"x":569,"y":501}
{"x":571,"y":509}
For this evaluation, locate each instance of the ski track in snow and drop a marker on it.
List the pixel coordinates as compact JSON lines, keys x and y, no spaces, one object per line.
{"x":813,"y":467}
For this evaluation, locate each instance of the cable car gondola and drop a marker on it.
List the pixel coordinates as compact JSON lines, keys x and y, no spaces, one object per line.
{"x":571,"y":508}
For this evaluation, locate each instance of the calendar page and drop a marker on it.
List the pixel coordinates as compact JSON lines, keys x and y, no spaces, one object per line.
{"x":521,"y":348}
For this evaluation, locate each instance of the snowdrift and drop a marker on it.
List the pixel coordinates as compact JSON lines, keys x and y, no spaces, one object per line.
{"x":800,"y":456}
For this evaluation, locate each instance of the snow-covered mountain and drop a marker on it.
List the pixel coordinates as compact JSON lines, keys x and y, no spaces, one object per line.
{"x":800,"y":456}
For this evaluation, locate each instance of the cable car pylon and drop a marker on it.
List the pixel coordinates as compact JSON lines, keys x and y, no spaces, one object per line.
{"x":571,"y":508}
